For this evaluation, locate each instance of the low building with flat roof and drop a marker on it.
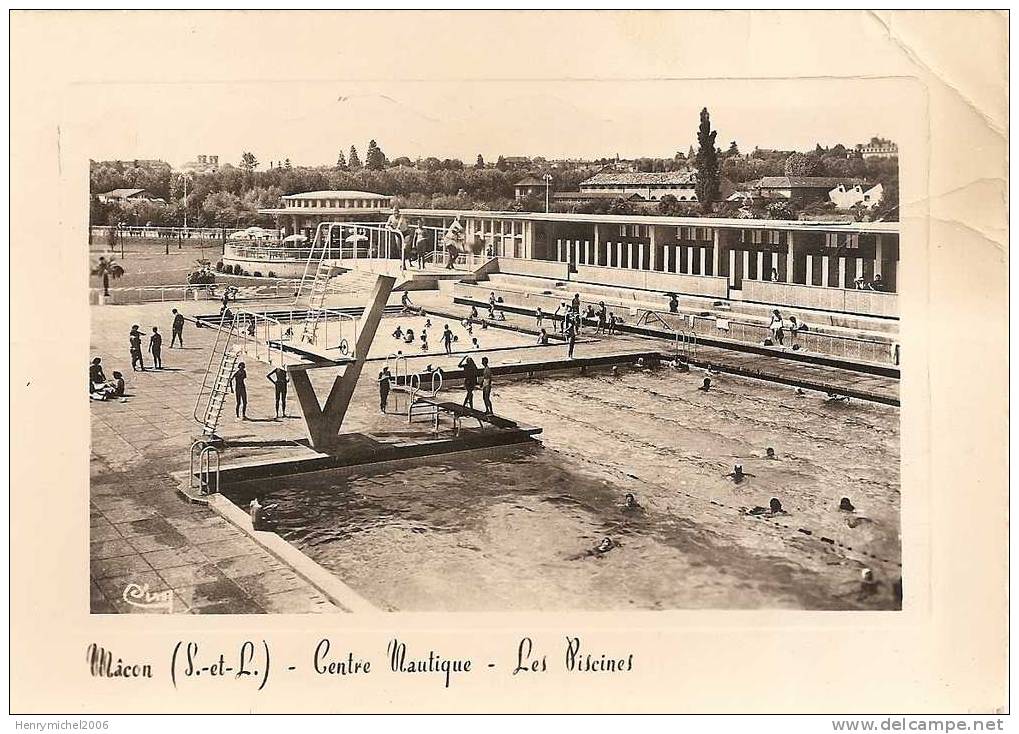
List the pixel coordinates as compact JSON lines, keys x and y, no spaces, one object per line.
{"x":301,"y":213}
{"x":725,"y":254}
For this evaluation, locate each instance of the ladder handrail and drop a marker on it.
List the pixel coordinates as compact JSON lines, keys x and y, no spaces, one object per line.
{"x":205,"y":469}
{"x":395,"y":372}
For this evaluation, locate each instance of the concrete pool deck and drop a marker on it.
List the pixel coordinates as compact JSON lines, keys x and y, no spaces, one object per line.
{"x":142,"y":533}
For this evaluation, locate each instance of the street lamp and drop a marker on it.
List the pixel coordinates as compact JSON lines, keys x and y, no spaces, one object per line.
{"x":548,"y":187}
{"x":185,"y":176}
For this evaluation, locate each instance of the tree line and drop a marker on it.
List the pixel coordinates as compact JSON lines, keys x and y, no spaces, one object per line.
{"x":232,"y":195}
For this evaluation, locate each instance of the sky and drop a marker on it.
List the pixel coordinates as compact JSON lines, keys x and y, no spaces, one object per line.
{"x":310,"y":122}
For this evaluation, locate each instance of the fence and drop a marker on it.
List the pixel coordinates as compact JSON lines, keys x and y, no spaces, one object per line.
{"x":870,"y":303}
{"x":206,"y":292}
{"x":845,"y":347}
{"x":101,"y":234}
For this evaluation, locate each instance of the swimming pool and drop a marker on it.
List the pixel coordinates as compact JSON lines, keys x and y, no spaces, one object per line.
{"x":514,"y":528}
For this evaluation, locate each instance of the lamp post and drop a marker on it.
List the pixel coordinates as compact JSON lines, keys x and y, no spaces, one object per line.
{"x":185,"y":209}
{"x":548,"y":188}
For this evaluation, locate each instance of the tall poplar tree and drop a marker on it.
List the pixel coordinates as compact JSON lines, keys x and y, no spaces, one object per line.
{"x":707,"y":163}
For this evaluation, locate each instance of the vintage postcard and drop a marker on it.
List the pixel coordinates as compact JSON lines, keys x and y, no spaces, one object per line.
{"x":509,"y":362}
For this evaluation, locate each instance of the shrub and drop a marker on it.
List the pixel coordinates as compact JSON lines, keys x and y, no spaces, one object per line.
{"x":219,"y":266}
{"x":271,"y":274}
{"x":258,"y":273}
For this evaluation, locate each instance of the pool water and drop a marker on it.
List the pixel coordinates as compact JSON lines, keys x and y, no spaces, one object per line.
{"x":515,"y":528}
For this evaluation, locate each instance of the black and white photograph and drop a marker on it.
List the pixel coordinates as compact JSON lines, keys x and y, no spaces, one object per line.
{"x":533,"y":361}
{"x":654,"y":368}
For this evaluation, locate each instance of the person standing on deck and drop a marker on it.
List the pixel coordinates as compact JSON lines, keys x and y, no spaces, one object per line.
{"x":397,"y":223}
{"x":452,"y":241}
{"x":177,"y":329}
{"x":419,"y":245}
{"x":135,"y":338}
{"x":156,"y":348}
{"x":240,"y":390}
{"x":603,"y":317}
{"x":447,"y":339}
{"x":279,"y":378}
{"x":571,"y":340}
{"x":538,"y":316}
{"x":575,"y":305}
{"x":777,"y":327}
{"x":384,"y":378}
{"x":486,"y":385}
{"x":470,"y":380}
{"x":560,"y":316}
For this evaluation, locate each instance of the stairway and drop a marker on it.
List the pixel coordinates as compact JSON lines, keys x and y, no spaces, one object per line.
{"x":316,"y":300}
{"x":219,"y":391}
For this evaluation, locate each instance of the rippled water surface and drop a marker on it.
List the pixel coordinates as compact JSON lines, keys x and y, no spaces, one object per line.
{"x":514,"y":528}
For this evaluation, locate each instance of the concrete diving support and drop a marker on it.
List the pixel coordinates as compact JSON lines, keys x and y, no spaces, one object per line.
{"x":323,"y":423}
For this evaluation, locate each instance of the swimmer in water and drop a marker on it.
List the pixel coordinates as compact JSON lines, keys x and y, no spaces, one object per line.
{"x":615,"y":371}
{"x":800,"y":392}
{"x":630,"y":503}
{"x":774,"y":508}
{"x":428,"y":323}
{"x":868,"y":584}
{"x":605,"y":545}
{"x":737,"y":474}
{"x":845,"y":505}
{"x":769,"y":453}
{"x":706,"y":385}
{"x":834,"y":397}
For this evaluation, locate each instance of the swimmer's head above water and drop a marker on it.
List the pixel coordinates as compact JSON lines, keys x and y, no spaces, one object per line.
{"x":775,"y":505}
{"x":630,"y":501}
{"x":605,"y":545}
{"x":769,"y":452}
{"x":845,"y":505}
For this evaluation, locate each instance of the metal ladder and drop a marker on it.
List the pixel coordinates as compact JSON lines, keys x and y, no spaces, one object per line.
{"x":223,"y":357}
{"x":204,"y":473}
{"x":220,"y":389}
{"x":686,"y":346}
{"x":316,"y":301}
{"x":422,"y":402}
